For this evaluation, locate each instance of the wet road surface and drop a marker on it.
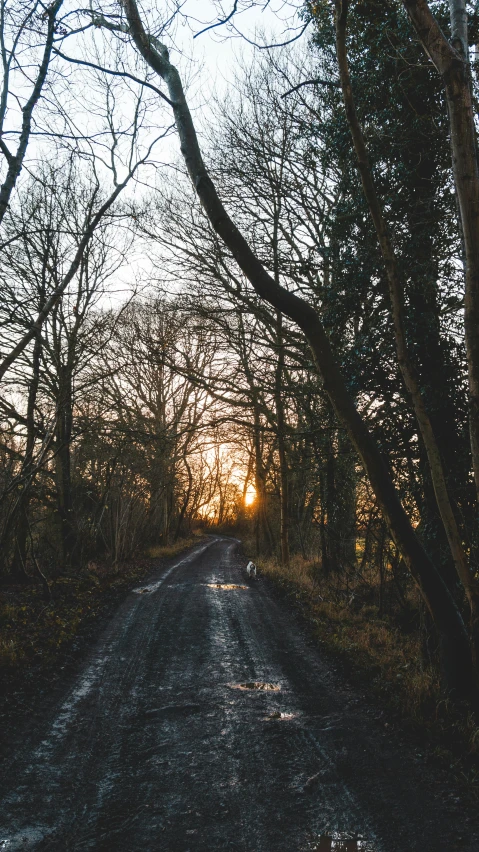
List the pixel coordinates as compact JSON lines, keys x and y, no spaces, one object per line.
{"x":204,"y":719}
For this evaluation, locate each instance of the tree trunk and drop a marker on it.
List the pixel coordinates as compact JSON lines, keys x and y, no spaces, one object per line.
{"x":63,"y":472}
{"x":186,"y":500}
{"x":283,"y":463}
{"x":22,"y":526}
{"x":331,"y":505}
{"x":346,"y":492}
{"x":262,"y":527}
{"x":323,"y":535}
{"x":382,"y":539}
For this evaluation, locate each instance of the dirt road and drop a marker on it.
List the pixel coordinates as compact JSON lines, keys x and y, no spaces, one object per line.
{"x":165,"y":742}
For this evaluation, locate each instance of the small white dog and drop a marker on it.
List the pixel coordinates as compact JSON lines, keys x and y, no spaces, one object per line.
{"x":251,"y":569}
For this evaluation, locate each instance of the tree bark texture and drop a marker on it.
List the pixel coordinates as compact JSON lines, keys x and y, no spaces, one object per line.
{"x":458,"y":13}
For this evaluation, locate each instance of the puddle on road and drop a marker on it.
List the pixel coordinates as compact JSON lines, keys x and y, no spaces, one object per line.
{"x":279,"y":717}
{"x":339,"y":841}
{"x":225,"y":586}
{"x":256,"y":685}
{"x":25,"y":839}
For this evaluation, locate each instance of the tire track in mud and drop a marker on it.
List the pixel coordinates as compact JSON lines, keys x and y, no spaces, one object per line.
{"x":154,"y":749}
{"x":61,"y":768}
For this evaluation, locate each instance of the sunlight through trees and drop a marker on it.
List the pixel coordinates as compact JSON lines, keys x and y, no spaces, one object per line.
{"x":259,"y":316}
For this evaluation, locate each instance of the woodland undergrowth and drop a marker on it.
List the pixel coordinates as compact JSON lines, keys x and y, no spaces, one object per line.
{"x":36,"y":637}
{"x":384,"y":654}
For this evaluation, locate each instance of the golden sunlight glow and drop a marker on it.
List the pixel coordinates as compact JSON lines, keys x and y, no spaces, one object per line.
{"x":230,"y":466}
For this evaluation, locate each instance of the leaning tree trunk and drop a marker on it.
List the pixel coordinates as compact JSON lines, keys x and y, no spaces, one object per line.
{"x":456,"y":659}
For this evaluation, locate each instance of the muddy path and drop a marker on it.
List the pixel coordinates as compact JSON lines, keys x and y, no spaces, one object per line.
{"x":204,"y":719}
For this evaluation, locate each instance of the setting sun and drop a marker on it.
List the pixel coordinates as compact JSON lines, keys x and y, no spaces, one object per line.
{"x":250,"y":495}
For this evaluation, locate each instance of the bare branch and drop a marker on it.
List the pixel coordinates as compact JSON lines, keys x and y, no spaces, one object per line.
{"x":219,"y":23}
{"x":317,"y":82}
{"x":115,"y":74}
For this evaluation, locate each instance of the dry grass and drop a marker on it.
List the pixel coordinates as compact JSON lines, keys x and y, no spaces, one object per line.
{"x":378,"y":653}
{"x":9,"y":653}
{"x":166,"y":551}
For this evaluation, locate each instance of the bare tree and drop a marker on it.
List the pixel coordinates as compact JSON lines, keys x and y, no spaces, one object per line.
{"x":22,"y":26}
{"x":455,"y":650}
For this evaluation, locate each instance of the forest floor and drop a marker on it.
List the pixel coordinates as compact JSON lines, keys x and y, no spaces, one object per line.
{"x":205,"y":717}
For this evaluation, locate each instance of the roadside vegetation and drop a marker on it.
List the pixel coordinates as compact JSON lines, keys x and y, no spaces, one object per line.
{"x":384,"y":651}
{"x":38,"y":638}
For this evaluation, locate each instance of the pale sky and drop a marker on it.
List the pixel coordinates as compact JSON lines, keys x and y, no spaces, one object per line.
{"x":207,"y":63}
{"x":216,"y":48}
{"x":76,"y":105}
